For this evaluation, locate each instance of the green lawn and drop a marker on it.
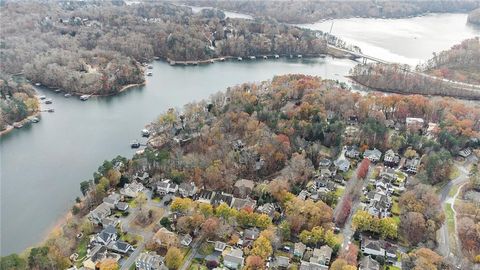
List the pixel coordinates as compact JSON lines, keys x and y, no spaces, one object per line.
{"x":82,"y":249}
{"x":453,"y":190}
{"x":395,"y":207}
{"x":339,"y":191}
{"x":450,"y":217}
{"x":454,"y":173}
{"x":348,"y":174}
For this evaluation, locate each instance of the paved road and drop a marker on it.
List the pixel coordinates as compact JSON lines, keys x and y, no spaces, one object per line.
{"x":444,"y":245}
{"x":195,"y":244}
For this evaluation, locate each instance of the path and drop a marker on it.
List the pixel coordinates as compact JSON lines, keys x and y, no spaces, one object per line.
{"x":193,"y":253}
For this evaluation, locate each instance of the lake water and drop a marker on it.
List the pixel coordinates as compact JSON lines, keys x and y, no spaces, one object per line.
{"x":41,"y":166}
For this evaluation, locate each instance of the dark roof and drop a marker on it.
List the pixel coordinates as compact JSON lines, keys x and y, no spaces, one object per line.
{"x":110,"y":230}
{"x":222,"y":198}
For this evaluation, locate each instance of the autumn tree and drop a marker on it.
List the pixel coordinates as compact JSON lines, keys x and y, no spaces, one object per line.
{"x":174,"y":258}
{"x":109,"y":264}
{"x":254,"y":262}
{"x":363,"y":169}
{"x":262,"y":247}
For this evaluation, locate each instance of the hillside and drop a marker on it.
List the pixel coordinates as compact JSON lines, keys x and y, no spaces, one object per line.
{"x":474,"y":17}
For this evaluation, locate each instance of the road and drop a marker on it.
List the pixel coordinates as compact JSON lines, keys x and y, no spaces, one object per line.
{"x":195,"y":244}
{"x":444,"y":246}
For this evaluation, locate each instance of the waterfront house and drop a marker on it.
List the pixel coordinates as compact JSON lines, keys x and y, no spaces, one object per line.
{"x":106,"y":235}
{"x":99,"y":213}
{"x":112,"y":200}
{"x":233,"y":259}
{"x":132,"y":189}
{"x":149,"y":261}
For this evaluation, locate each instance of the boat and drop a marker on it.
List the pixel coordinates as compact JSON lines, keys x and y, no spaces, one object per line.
{"x":145,"y":132}
{"x":48,"y":101}
{"x":17,"y":125}
{"x":135,"y":144}
{"x":299,"y":56}
{"x":156,"y":58}
{"x":265,"y":57}
{"x":84,"y":97}
{"x":222,"y":59}
{"x":239,"y":59}
{"x":58,"y":90}
{"x":149,"y":74}
{"x":252,"y":58}
{"x":35,"y":119}
{"x":50,"y":110}
{"x":42,"y":97}
{"x":67,"y":95}
{"x":276,"y":56}
{"x":212,"y":61}
{"x":38,"y":84}
{"x":150,"y":67}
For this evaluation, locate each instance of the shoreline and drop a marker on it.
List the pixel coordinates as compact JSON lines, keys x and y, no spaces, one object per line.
{"x":21,"y":122}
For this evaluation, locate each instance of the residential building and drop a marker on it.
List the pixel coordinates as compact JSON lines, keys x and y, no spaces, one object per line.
{"x":204,"y":196}
{"x":391,"y":158}
{"x":322,"y":255}
{"x":243,"y":203}
{"x":107,"y":235}
{"x":187,"y":189}
{"x":304,"y":265}
{"x":112,"y":200}
{"x":282,"y":262}
{"x":352,"y":152}
{"x":99,"y":213}
{"x":299,"y":249}
{"x":149,"y":261}
{"x":219,"y":246}
{"x":465,"y":152}
{"x":233,"y":259}
{"x":221,"y":197}
{"x":379,"y":248}
{"x":166,"y":186}
{"x":268,"y":209}
{"x":411,"y":165}
{"x":373,"y":155}
{"x":324,"y":163}
{"x":243,"y":187}
{"x":186,"y":240}
{"x":122,"y":206}
{"x":367,"y":263}
{"x":414,"y":124}
{"x":120,"y":247}
{"x":132,"y":189}
{"x":342,"y":164}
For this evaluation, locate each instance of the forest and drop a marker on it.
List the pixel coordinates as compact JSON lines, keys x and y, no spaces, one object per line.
{"x":17,"y":102}
{"x":459,"y":63}
{"x":474,"y":16}
{"x":399,"y":78}
{"x":98,"y":47}
{"x":313,"y":11}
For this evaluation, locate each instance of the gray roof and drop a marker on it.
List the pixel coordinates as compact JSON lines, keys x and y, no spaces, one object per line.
{"x":234,"y":256}
{"x":367,"y":263}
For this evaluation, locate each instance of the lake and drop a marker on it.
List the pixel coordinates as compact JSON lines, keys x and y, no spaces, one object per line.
{"x":43,"y":164}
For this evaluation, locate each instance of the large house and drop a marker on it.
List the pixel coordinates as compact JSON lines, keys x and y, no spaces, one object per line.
{"x":149,"y":261}
{"x":99,"y":213}
{"x":243,"y":187}
{"x":342,"y":164}
{"x":204,"y":196}
{"x":166,"y":186}
{"x":240,"y":204}
{"x":322,"y":255}
{"x":187,"y":189}
{"x":132,"y":189}
{"x":414,"y":124}
{"x":373,"y":155}
{"x":299,"y":249}
{"x":379,"y":204}
{"x":107,"y":235}
{"x":351,"y":151}
{"x":233,"y":259}
{"x":391,"y":158}
{"x":379,"y":248}
{"x":112,"y":200}
{"x":221,"y":197}
{"x":411,"y":165}
{"x":367,"y":263}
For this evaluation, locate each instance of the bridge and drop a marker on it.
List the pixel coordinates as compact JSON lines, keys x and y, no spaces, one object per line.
{"x":454,"y":84}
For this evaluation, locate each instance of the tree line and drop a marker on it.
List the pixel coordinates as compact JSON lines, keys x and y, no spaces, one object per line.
{"x":313,"y":11}
{"x":17,"y":102}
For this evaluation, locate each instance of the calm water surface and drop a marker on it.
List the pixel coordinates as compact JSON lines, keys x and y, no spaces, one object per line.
{"x":41,"y":166}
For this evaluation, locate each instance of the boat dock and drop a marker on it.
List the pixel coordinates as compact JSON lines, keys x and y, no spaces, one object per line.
{"x":238,"y":58}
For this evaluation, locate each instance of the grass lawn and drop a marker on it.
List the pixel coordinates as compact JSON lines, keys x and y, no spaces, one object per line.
{"x":132,"y":267}
{"x":450,"y":217}
{"x":395,"y":207}
{"x":197,"y":266}
{"x":453,"y":190}
{"x":391,"y":267}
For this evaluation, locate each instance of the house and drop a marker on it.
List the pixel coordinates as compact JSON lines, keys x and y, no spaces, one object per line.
{"x":388,"y":175}
{"x":112,"y":200}
{"x":120,"y":247}
{"x":251,"y":234}
{"x":269,"y":209}
{"x":379,"y":248}
{"x":204,"y":196}
{"x":243,"y":187}
{"x":109,"y":221}
{"x":322,"y":255}
{"x":432,"y":130}
{"x":352,"y":152}
{"x":166,"y":186}
{"x":149,"y":261}
{"x":414,"y":124}
{"x":141,"y":178}
{"x":165,"y":238}
{"x":99,"y":213}
{"x":186,"y":240}
{"x":187,"y":189}
{"x":379,"y":204}
{"x":233,"y":259}
{"x":96,"y":255}
{"x":391,"y":158}
{"x":221,"y":197}
{"x":298,"y":249}
{"x":243,"y":203}
{"x":342,"y":164}
{"x":219,"y":246}
{"x":106,"y":235}
{"x":367,"y":263}
{"x":303,"y":195}
{"x":304,"y":265}
{"x":122,"y":206}
{"x":324,"y":163}
{"x":325,"y":173}
{"x":411,"y":165}
{"x":132,"y":189}
{"x":373,"y":155}
{"x":465,"y":152}
{"x":282,"y":261}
